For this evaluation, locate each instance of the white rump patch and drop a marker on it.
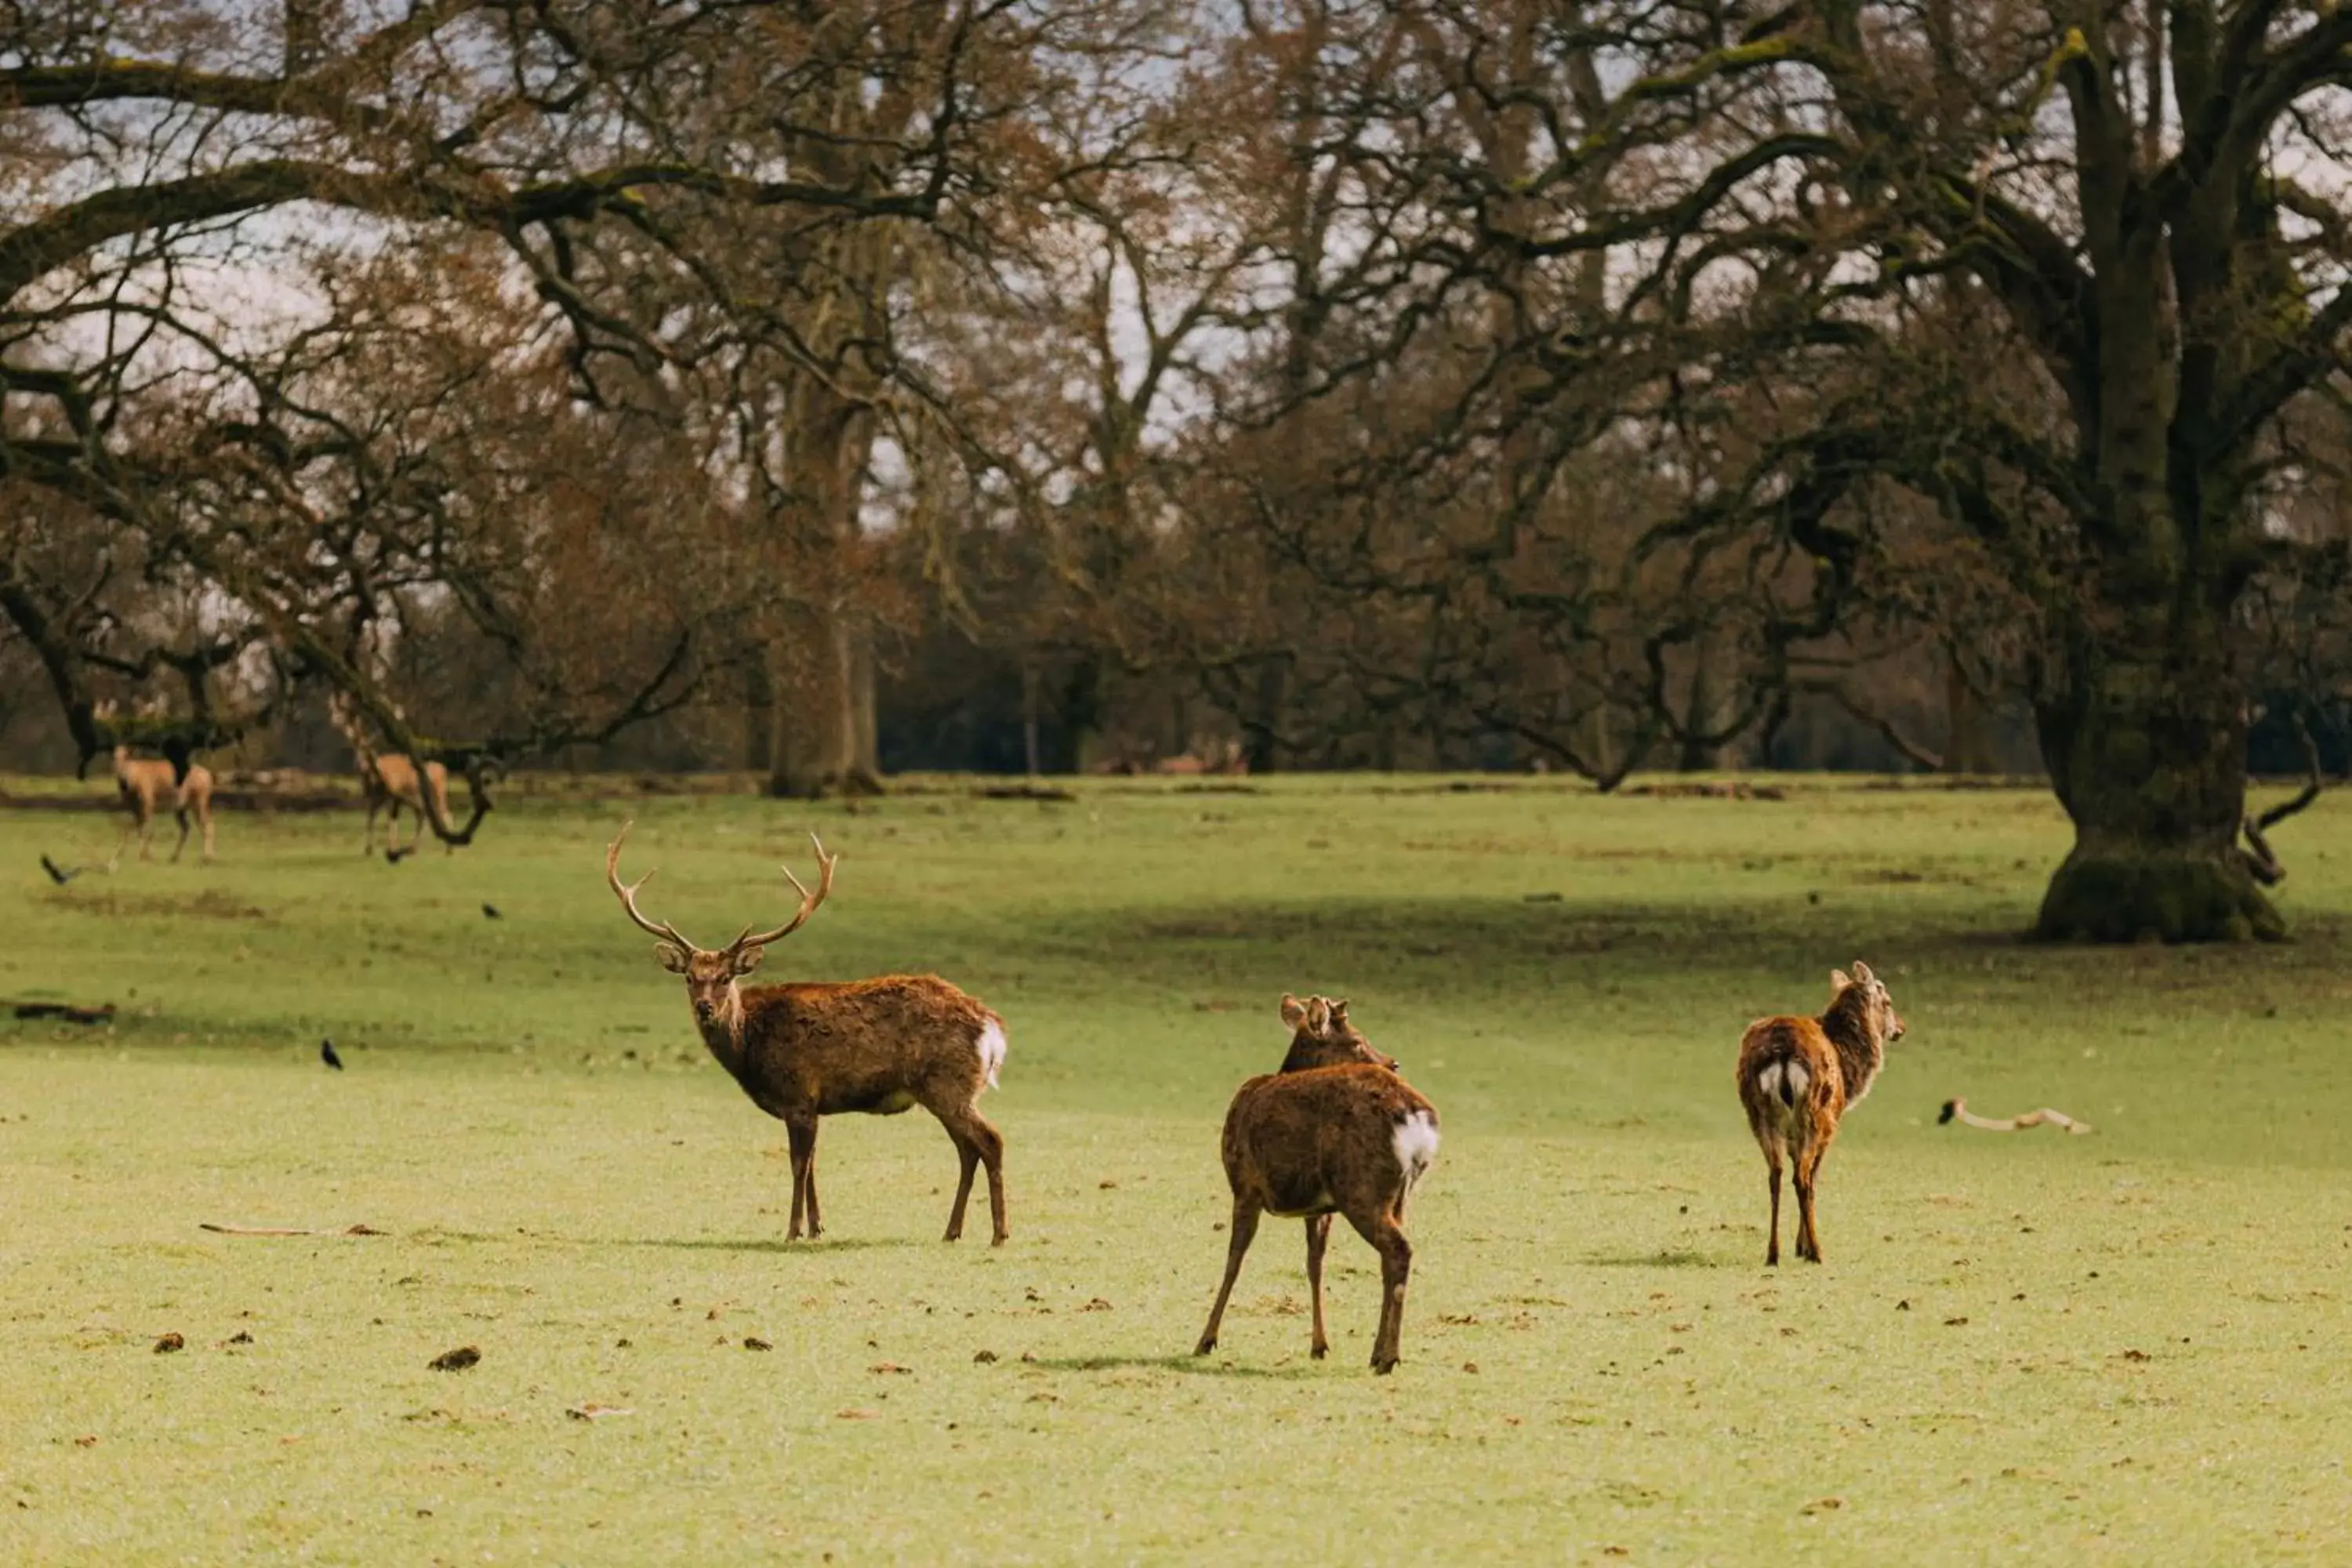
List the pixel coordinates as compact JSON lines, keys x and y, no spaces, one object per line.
{"x":991,"y":1046}
{"x":1416,"y":1144}
{"x":1784,"y":1083}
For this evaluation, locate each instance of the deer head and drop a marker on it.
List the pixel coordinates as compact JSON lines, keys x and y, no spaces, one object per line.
{"x":1321,"y":1036}
{"x":710,"y":974}
{"x":1870,"y":997}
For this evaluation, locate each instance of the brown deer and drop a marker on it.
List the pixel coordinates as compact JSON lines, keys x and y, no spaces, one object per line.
{"x":1335,"y":1130}
{"x":390,"y":781}
{"x":810,"y":1050}
{"x":1798,"y":1075}
{"x":144,"y":783}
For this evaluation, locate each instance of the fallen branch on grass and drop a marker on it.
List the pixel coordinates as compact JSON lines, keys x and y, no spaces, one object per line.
{"x":1958,"y":1110}
{"x":280,"y":1230}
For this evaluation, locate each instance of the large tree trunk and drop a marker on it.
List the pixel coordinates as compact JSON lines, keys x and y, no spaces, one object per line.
{"x":2147,"y":750}
{"x":759,"y":713}
{"x":822,"y":738}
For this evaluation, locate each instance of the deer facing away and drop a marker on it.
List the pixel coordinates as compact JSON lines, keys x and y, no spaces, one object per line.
{"x":1335,"y":1130}
{"x":145,"y":783}
{"x":1798,"y":1075}
{"x":811,"y":1050}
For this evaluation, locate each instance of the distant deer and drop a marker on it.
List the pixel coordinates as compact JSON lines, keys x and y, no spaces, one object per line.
{"x":811,"y":1050}
{"x":389,"y":781}
{"x":1335,"y":1130}
{"x":144,"y":783}
{"x":1798,"y":1075}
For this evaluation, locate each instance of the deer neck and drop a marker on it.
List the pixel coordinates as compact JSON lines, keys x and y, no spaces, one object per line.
{"x":1861,"y":1051}
{"x":724,"y":1031}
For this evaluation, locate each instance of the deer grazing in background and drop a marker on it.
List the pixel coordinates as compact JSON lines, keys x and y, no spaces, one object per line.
{"x":389,"y":781}
{"x":1335,"y":1130}
{"x":145,"y":783}
{"x":1798,"y":1075}
{"x":810,"y":1050}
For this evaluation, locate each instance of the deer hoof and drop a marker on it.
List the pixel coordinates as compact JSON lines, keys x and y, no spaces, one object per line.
{"x":1382,"y":1368}
{"x":1204,"y":1347}
{"x":1319,"y":1351}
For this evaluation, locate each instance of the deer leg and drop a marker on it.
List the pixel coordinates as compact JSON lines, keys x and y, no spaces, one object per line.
{"x":1388,"y":1240}
{"x":1772,"y":1247}
{"x":1246,"y":1213}
{"x":816,"y":1223}
{"x":367,"y":839}
{"x":968,"y":1152}
{"x":990,"y":1143}
{"x":182,"y":846}
{"x":1318,"y":1235}
{"x":205,"y":817}
{"x":120,"y":844}
{"x":802,"y":1137}
{"x":1809,"y":1240}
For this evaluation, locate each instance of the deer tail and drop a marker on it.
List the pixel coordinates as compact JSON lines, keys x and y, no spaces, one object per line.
{"x":1786,"y":1080}
{"x":990,"y":1043}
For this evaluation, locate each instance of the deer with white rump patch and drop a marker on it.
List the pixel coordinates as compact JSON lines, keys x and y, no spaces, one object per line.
{"x":810,"y":1050}
{"x":1798,"y":1075}
{"x":1335,"y":1132}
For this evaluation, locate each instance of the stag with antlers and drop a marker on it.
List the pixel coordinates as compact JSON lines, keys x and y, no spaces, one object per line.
{"x":813,"y":1050}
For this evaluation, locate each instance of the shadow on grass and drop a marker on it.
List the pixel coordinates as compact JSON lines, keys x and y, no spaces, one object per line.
{"x":1209,"y":1366}
{"x":774,"y":1244}
{"x":1667,"y":1257}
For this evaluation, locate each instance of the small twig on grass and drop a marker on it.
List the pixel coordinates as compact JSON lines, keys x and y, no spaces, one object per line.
{"x":1958,"y":1110}
{"x":282,"y":1230}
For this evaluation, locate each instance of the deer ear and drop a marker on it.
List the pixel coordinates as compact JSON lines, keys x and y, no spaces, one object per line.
{"x":1293,"y":1013}
{"x":1318,"y":1015}
{"x":1838,"y":981}
{"x":671,"y":959}
{"x":748,"y":959}
{"x":1339,"y":1012}
{"x":1862,"y":974}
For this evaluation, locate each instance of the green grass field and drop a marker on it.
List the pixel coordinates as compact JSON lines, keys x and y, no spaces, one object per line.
{"x":2123,"y":1348}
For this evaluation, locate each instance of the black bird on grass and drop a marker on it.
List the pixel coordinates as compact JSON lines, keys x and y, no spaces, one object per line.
{"x":327,"y":1055}
{"x":58,"y":874}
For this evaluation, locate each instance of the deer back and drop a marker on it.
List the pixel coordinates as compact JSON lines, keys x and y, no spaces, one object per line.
{"x":1329,"y":1137}
{"x":863,"y":1045}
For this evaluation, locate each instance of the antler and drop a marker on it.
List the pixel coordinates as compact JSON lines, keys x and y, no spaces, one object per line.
{"x":627,"y":894}
{"x":809,"y":902}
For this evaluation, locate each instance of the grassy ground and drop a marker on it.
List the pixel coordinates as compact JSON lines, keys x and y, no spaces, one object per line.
{"x":2123,"y":1348}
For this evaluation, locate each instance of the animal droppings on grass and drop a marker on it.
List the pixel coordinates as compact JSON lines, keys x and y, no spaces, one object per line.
{"x":890,"y":1368}
{"x":2136,"y":1356}
{"x":983,"y":1357}
{"x":1955,"y":1322}
{"x":1096,"y":1305}
{"x":457,"y":1360}
{"x":755,"y":1343}
{"x":854,"y":1415}
{"x":1469,"y":1366}
{"x":238,"y":1338}
{"x":1824,"y":1505}
{"x":596,"y":1411}
{"x":1104,"y":1186}
{"x":1902,"y":1305}
{"x":87,"y":1440}
{"x":170,"y":1342}
{"x":621,"y":1344}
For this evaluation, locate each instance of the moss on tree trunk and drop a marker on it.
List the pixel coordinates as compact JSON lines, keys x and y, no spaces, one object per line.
{"x":2148,"y":755}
